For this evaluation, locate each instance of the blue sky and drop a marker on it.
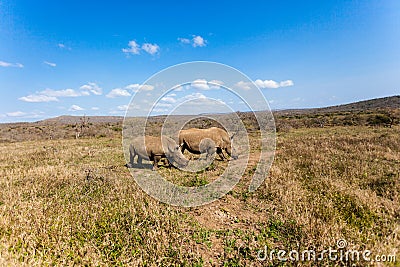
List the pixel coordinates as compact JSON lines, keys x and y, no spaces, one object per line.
{"x":86,"y":57}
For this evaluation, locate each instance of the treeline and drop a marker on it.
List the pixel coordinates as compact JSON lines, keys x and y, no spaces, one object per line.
{"x":376,"y":118}
{"x":284,"y":121}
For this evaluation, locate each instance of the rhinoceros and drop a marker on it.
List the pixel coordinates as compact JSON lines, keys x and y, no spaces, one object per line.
{"x":151,"y":148}
{"x":211,"y":140}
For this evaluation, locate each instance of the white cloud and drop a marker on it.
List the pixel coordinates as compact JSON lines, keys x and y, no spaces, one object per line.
{"x":8,"y":64}
{"x":51,"y":64}
{"x":184,"y":40}
{"x":146,"y":87}
{"x":122,"y":107}
{"x":49,"y":95}
{"x":196,"y":41}
{"x":23,"y":115}
{"x":200,"y":84}
{"x":95,"y":108}
{"x":38,"y":98}
{"x":194,"y":96}
{"x":264,"y":84}
{"x":119,"y":110}
{"x":160,"y":110}
{"x":168,"y":99}
{"x":197,"y":103}
{"x":194,"y":103}
{"x":59,"y":93}
{"x":216,"y":82}
{"x":133,"y":48}
{"x":75,"y":108}
{"x":92,"y":88}
{"x":63,"y":46}
{"x":243,"y":85}
{"x":199,"y":41}
{"x":142,"y":87}
{"x":273,"y":84}
{"x":203,"y":84}
{"x":134,"y":87}
{"x":151,"y":48}
{"x":286,"y":83}
{"x":118,"y":92}
{"x":16,"y":114}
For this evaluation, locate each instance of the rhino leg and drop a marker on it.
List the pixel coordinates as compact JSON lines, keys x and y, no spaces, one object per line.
{"x":220,"y":154}
{"x":132,"y":155}
{"x":139,"y":160}
{"x":155,"y":164}
{"x":166,"y":162}
{"x":210,"y":152}
{"x":183,"y":147}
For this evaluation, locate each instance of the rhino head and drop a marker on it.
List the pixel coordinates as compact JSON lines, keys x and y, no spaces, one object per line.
{"x":174,"y":155}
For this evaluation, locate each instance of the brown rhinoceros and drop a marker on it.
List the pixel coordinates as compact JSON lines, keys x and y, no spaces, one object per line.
{"x":211,"y":140}
{"x":151,"y":148}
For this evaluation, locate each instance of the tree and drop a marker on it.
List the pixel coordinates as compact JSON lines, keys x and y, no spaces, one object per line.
{"x":81,"y":126}
{"x":393,"y":116}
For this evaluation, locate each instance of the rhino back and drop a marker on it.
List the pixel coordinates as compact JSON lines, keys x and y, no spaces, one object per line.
{"x":148,"y":146}
{"x":194,"y":136}
{"x":224,"y":136}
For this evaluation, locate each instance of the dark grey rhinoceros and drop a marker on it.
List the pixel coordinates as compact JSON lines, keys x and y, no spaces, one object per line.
{"x":155,"y":148}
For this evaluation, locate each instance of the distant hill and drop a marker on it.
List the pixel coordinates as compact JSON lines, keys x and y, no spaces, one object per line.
{"x":362,"y":113}
{"x":365,"y":105}
{"x":76,"y":119}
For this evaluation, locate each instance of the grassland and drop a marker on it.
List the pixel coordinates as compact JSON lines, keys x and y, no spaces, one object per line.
{"x":72,"y":202}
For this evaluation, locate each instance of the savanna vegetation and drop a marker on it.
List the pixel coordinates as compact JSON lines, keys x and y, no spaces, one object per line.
{"x":72,"y":202}
{"x":69,"y":201}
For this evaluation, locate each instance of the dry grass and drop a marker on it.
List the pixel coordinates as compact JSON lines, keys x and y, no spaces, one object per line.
{"x":72,"y":202}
